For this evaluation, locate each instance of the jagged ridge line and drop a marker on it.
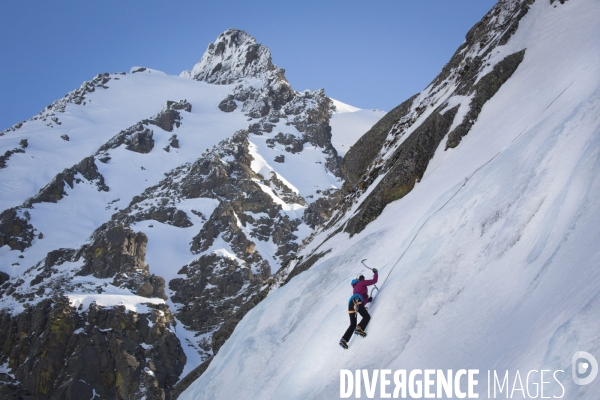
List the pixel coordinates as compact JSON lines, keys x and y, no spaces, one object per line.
{"x":462,"y":186}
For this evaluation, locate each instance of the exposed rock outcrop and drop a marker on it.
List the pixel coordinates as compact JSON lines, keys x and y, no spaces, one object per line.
{"x":364,"y":151}
{"x":139,"y":137}
{"x":15,"y":230}
{"x":404,"y":168}
{"x":228,"y":104}
{"x":400,"y":146}
{"x":482,"y":91}
{"x":21,"y":149}
{"x":215,"y":284}
{"x":318,"y":212}
{"x":234,"y":55}
{"x":55,"y":352}
{"x":55,"y":190}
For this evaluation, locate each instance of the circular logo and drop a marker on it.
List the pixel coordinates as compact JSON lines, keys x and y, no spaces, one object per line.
{"x":585,"y":368}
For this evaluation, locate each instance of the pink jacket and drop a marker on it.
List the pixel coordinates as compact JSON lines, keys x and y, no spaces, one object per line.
{"x":360,"y":288}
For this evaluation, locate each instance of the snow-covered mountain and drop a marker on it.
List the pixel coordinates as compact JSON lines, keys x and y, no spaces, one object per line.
{"x":478,"y":200}
{"x":143,"y":215}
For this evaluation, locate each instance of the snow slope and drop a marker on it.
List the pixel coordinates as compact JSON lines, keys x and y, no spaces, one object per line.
{"x":503,"y":277}
{"x":134,"y":97}
{"x":128,"y":100}
{"x":349,"y":123}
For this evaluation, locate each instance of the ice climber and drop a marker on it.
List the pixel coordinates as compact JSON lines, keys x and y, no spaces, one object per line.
{"x":357,"y":302}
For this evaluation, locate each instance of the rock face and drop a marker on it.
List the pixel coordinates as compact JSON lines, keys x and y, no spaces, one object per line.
{"x":401,"y":144}
{"x":15,"y":230}
{"x":120,"y":253}
{"x":215,"y":286}
{"x":55,"y":190}
{"x":21,"y":149}
{"x":57,"y":350}
{"x":319,"y":212}
{"x":139,"y":137}
{"x":228,"y":104}
{"x":234,"y":55}
{"x":364,"y":151}
{"x":482,"y":91}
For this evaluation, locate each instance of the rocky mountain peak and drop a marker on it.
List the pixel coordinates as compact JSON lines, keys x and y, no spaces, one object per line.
{"x":234,"y":55}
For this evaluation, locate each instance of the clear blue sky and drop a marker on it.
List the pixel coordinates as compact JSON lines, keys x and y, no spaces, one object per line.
{"x":371,"y":54}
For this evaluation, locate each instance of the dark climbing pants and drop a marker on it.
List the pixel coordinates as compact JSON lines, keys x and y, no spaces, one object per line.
{"x":363,"y":322}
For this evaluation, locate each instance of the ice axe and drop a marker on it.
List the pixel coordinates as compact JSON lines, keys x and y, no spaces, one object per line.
{"x":366,"y":266}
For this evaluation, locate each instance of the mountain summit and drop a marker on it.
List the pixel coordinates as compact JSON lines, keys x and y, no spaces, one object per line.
{"x":142,"y":215}
{"x":233,"y":56}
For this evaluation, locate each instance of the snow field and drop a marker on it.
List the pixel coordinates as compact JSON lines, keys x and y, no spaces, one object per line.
{"x":349,"y":123}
